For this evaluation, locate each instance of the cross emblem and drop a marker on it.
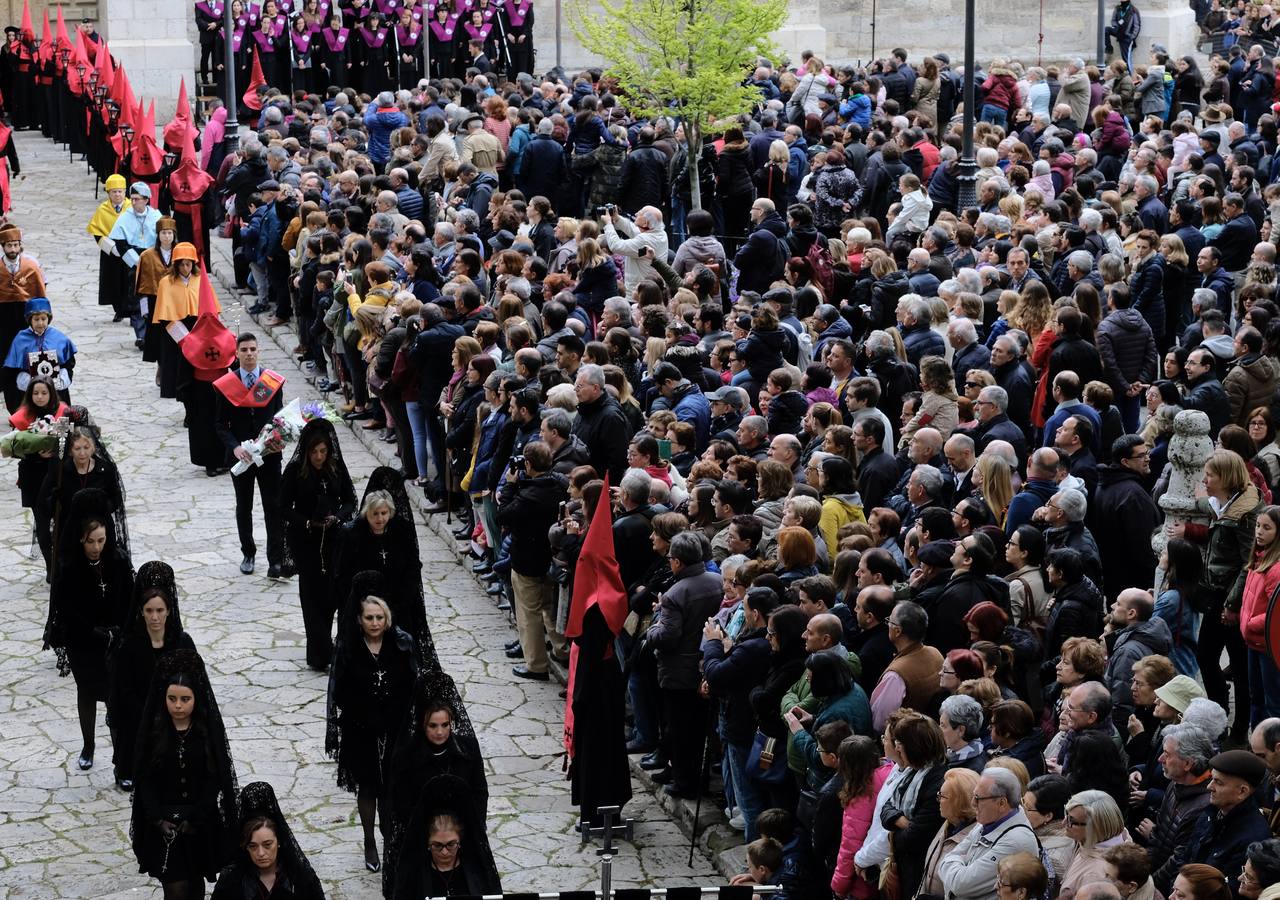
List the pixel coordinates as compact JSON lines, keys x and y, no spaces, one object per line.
{"x":212,"y":354}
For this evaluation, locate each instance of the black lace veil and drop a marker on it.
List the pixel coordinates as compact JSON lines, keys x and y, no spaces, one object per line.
{"x":446,"y":794}
{"x":313,"y":432}
{"x":259,"y":800}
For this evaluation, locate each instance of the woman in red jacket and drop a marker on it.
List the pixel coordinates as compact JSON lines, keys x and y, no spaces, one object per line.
{"x":1262,"y":581}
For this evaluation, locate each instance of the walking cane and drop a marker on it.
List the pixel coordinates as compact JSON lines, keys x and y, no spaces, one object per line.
{"x":704,"y":775}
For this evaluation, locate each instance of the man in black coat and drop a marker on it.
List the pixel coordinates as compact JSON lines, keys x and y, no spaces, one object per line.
{"x":994,"y":424}
{"x":601,"y":424}
{"x":542,"y":167}
{"x":527,"y":509}
{"x":1074,"y":437}
{"x":644,"y":176}
{"x":1013,"y":377}
{"x":1205,"y":391}
{"x":632,"y":526}
{"x":971,"y":583}
{"x":430,"y":354}
{"x":878,"y":471}
{"x":1238,"y":236}
{"x":246,"y":399}
{"x":1124,"y":516}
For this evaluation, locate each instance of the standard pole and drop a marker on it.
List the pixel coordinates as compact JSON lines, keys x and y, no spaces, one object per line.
{"x":1102,"y":33}
{"x":968,"y":192}
{"x":558,"y":28}
{"x":228,"y":33}
{"x":873,"y":31}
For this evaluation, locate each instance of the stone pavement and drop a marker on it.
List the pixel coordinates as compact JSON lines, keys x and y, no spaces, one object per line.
{"x":64,"y":833}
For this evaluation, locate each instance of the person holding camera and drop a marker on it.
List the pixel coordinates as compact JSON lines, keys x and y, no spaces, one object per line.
{"x":527,"y":509}
{"x":631,"y":240}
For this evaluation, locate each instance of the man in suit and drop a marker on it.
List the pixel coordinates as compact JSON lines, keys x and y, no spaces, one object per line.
{"x":247,"y":398}
{"x":479,"y":61}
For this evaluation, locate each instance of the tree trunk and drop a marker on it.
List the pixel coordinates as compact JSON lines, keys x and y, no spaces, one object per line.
{"x":693,"y":145}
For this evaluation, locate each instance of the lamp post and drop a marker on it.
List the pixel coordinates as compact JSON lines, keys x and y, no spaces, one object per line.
{"x":232,"y":138}
{"x":968,"y":177}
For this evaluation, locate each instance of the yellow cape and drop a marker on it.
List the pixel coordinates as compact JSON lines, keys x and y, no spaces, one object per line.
{"x":176,"y":301}
{"x":103,"y":219}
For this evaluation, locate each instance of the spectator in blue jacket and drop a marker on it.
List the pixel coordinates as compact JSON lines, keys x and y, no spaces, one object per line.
{"x":381,"y":119}
{"x":685,"y":400}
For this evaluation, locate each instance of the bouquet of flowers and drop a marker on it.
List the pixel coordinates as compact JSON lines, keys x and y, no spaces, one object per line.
{"x":282,"y":430}
{"x":40,"y":436}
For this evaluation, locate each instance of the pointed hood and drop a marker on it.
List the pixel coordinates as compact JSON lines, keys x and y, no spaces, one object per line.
{"x":28,"y":30}
{"x":60,"y":33}
{"x":106,"y":72}
{"x":148,"y":158}
{"x":46,"y":39}
{"x":250,"y":97}
{"x":175,"y":132}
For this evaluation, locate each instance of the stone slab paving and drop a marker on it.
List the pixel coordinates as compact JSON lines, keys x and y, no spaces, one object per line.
{"x":64,"y":833}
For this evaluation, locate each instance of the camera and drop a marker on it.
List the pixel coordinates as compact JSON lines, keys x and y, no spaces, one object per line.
{"x":600,"y":211}
{"x":516,"y":465}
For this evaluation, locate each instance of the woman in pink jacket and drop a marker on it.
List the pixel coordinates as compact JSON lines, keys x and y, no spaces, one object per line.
{"x":863,"y":774}
{"x":1262,"y":581}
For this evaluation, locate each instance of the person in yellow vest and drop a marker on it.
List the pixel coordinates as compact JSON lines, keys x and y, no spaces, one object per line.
{"x":113,"y":274}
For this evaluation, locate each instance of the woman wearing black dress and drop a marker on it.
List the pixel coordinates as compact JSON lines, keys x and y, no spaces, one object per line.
{"x":152,"y":629}
{"x":383,"y":538}
{"x":91,"y":591}
{"x":85,"y":463}
{"x":316,"y":499}
{"x":437,"y":739}
{"x":446,"y":848}
{"x":370,"y":694}
{"x":374,"y":54}
{"x":184,"y":798}
{"x":442,"y":37}
{"x":269,"y":864}
{"x":335,"y":52}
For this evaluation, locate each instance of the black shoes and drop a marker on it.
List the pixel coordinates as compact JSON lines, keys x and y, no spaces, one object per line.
{"x":246,"y":565}
{"x":85,"y":762}
{"x":511,"y":644}
{"x":124,"y":784}
{"x":653,"y":761}
{"x":662,"y":776}
{"x":494,"y":589}
{"x":274,"y":571}
{"x":371,"y":861}
{"x":482,"y":567}
{"x":526,"y":672}
{"x":515,"y":652}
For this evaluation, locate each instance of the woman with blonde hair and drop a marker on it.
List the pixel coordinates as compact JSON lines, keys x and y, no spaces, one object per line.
{"x":1033,"y":310}
{"x":993,"y":482}
{"x":1094,"y":821}
{"x":959,"y":818}
{"x":938,"y":408}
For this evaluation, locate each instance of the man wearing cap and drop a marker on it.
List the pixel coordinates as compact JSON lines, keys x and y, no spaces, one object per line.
{"x":1232,"y":822}
{"x":133,"y":233}
{"x":20,"y":280}
{"x":726,"y":411}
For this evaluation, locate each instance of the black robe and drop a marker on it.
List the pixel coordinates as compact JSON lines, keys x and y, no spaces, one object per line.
{"x":88,"y":606}
{"x":394,"y":554}
{"x":599,"y":770}
{"x":374,"y":695}
{"x":204,"y":447}
{"x":60,"y":485}
{"x":131,"y":666}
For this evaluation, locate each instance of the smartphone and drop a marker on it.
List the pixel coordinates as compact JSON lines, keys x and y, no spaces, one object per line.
{"x":664,"y":450}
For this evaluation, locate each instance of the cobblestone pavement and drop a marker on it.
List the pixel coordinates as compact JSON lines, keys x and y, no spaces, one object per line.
{"x":64,"y":833}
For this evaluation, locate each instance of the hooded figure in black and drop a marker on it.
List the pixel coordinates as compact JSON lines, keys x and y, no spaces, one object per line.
{"x":152,"y":629}
{"x":371,"y":682}
{"x":446,"y":848}
{"x":269,"y":862}
{"x":316,"y":499}
{"x":92,"y":588}
{"x":437,"y":739}
{"x":85,"y":463}
{"x":391,"y":551}
{"x":184,"y":798}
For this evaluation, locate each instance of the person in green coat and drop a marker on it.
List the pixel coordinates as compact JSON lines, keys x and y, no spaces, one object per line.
{"x":840,"y":698}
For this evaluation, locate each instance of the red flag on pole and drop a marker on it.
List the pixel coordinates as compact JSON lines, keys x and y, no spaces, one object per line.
{"x":596,"y":582}
{"x":250,"y":97}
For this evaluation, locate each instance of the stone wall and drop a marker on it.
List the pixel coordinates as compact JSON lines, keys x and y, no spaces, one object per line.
{"x":840,"y":30}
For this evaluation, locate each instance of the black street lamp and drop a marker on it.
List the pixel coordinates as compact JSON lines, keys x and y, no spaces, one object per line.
{"x":968,"y":176}
{"x":232,"y":138}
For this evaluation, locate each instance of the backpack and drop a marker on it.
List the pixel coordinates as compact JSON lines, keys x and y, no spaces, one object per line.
{"x":823,"y":268}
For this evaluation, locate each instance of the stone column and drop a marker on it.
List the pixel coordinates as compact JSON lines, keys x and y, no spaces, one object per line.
{"x":1170,"y":23}
{"x":152,"y":40}
{"x":1189,"y":447}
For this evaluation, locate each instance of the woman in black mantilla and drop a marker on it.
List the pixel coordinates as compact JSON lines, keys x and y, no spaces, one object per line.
{"x":370,"y":694}
{"x":446,"y":847}
{"x":85,"y":463}
{"x":436,"y":739}
{"x":269,"y":864}
{"x":184,"y":798}
{"x":152,"y":629}
{"x":384,"y":538}
{"x":316,"y":499}
{"x":88,"y":603}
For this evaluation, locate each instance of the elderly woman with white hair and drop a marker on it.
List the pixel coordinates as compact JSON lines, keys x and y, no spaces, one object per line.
{"x":961,"y":721}
{"x":1096,"y":824}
